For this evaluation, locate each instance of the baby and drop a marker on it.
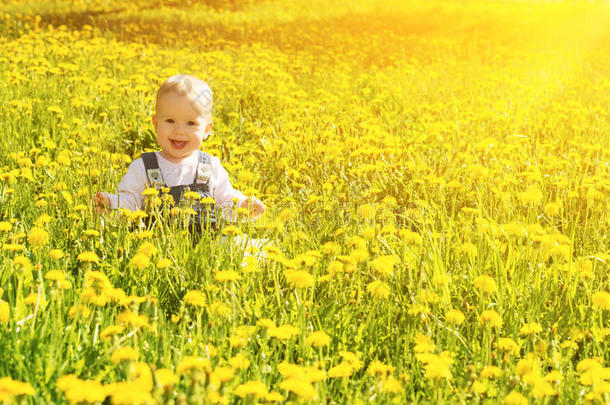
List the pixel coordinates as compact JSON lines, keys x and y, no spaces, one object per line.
{"x":183,"y":120}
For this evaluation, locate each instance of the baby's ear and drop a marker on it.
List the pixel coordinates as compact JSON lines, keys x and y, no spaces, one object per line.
{"x":154,"y":119}
{"x":208,"y":130}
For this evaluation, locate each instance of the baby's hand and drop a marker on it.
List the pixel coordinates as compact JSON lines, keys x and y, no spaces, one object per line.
{"x":255,"y":206}
{"x":102,"y":203}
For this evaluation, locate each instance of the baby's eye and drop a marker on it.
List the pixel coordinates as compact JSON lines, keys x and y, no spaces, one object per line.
{"x":192,"y":123}
{"x":169,"y":121}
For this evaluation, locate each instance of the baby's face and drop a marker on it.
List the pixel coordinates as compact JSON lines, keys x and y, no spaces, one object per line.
{"x":179,"y":126}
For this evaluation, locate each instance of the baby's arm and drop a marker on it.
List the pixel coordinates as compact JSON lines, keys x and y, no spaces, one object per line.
{"x":129,"y":190}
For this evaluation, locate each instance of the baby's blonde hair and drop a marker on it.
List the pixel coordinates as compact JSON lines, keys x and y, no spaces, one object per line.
{"x":196,"y":89}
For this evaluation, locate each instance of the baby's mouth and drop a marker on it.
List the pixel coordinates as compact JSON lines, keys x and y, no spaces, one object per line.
{"x":178,"y":144}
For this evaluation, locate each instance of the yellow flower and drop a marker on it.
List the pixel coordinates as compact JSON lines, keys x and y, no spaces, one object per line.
{"x":423,"y":343}
{"x":530,"y":328}
{"x":36,"y":300}
{"x":56,"y":254}
{"x":13,"y":247}
{"x":515,"y":398}
{"x":164,"y":263}
{"x":392,"y":385}
{"x":530,"y":364}
{"x":22,"y":263}
{"x":131,"y":319}
{"x":5,"y":312}
{"x":479,"y":387}
{"x":55,"y":275}
{"x":490,"y":372}
{"x":239,"y":362}
{"x":110,"y":331}
{"x":254,"y":388}
{"x":220,"y":309}
{"x":10,"y":388}
{"x":189,"y":363}
{"x":300,"y":386}
{"x":378,"y":368}
{"x":221,"y":375}
{"x":470,"y":249}
{"x":38,"y":237}
{"x":437,"y":366}
{"x":231,"y":230}
{"x":378,"y":289}
{"x":601,"y":300}
{"x":124,"y":353}
{"x":139,"y":261}
{"x":5,"y":226}
{"x":166,"y":378}
{"x":552,"y":209}
{"x":274,"y":397}
{"x":454,"y":316}
{"x":507,"y":345}
{"x":227,"y":276}
{"x":485,"y":284}
{"x":492,"y":318}
{"x":79,"y":391}
{"x":318,"y":339}
{"x":385,"y":264}
{"x":343,"y":369}
{"x":299,"y":279}
{"x":128,"y":393}
{"x":88,"y":257}
{"x":329,"y":248}
{"x":147,"y":249}
{"x":533,"y":195}
{"x":283,"y":332}
{"x":195,"y":298}
{"x":192,"y":195}
{"x":149,"y":192}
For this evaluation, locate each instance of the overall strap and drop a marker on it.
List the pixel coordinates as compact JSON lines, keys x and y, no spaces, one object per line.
{"x":153,"y":173}
{"x":204,"y":169}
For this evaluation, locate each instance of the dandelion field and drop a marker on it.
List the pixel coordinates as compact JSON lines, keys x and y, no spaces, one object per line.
{"x":436,"y":176}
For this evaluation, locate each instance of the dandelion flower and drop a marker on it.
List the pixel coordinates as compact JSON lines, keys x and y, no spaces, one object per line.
{"x":318,"y":339}
{"x":147,"y":249}
{"x":139,"y":261}
{"x":485,"y":284}
{"x":283,"y":332}
{"x":239,"y":362}
{"x":5,"y":312}
{"x":492,"y":318}
{"x":378,"y":289}
{"x":601,"y":300}
{"x":189,"y":363}
{"x":530,"y":328}
{"x":227,"y":276}
{"x":56,"y":254}
{"x":38,"y":237}
{"x":195,"y":298}
{"x":254,"y":388}
{"x":455,"y":316}
{"x":515,"y":398}
{"x":10,"y":388}
{"x":88,"y":257}
{"x":300,"y":386}
{"x":299,"y":279}
{"x":124,"y":353}
{"x":166,"y":378}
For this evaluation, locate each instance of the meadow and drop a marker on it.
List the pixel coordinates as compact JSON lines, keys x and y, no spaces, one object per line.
{"x":436,"y":176}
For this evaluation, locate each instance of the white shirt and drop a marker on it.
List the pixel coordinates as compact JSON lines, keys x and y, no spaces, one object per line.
{"x":134,"y":182}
